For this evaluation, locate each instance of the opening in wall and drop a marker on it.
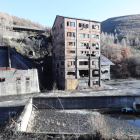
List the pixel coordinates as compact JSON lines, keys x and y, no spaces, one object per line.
{"x":2,"y":79}
{"x":83,"y":62}
{"x":71,"y":51}
{"x":27,"y":78}
{"x":83,"y":73}
{"x":95,"y":82}
{"x":95,"y":73}
{"x":18,"y":78}
{"x":71,"y":73}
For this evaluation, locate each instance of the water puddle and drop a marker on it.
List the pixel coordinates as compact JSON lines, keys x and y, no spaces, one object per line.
{"x":132,"y":118}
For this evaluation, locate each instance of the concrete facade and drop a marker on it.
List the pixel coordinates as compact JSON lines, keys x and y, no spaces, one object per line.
{"x":85,"y":102}
{"x":16,"y":77}
{"x":76,"y":52}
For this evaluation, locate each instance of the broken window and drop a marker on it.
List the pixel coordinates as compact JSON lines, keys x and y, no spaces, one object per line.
{"x":95,"y":63}
{"x":61,"y":36}
{"x":95,"y":36}
{"x":2,"y":79}
{"x":70,"y":63}
{"x":83,"y":62}
{"x":62,"y":44}
{"x":71,"y":24}
{"x":71,"y":43}
{"x":83,"y":73}
{"x":18,"y":78}
{"x":62,"y":63}
{"x":95,"y":27}
{"x":71,"y":51}
{"x":94,"y":53}
{"x":71,"y":73}
{"x":83,"y":25}
{"x":70,"y":34}
{"x":57,"y":65}
{"x":95,"y":82}
{"x":84,"y":52}
{"x":96,"y":45}
{"x":84,"y":35}
{"x":83,"y":44}
{"x":62,"y":25}
{"x":27,"y":78}
{"x":95,"y":73}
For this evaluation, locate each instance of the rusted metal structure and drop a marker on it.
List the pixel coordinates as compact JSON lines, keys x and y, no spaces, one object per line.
{"x":76,"y":52}
{"x":105,"y":68}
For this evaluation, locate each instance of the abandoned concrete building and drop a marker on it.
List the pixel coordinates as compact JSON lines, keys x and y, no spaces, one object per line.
{"x":76,"y":52}
{"x":105,"y":68}
{"x":17,"y":75}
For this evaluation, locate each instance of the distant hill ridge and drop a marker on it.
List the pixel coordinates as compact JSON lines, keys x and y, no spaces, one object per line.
{"x":127,"y":27}
{"x":6,"y":18}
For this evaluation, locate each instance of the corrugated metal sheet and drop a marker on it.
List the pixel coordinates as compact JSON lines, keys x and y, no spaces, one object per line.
{"x":105,"y":61}
{"x":71,"y":84}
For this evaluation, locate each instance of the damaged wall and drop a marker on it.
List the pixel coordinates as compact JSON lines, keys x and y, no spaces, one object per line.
{"x":18,"y":82}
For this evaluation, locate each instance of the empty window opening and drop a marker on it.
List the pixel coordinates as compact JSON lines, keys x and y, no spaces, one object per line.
{"x":70,"y":51}
{"x":83,"y":25}
{"x":71,"y":24}
{"x":95,"y":53}
{"x":2,"y":79}
{"x":95,"y":82}
{"x":27,"y":78}
{"x":95,"y":73}
{"x":71,"y":73}
{"x":84,"y":35}
{"x":95,"y":36}
{"x":62,"y":25}
{"x":71,"y":43}
{"x":70,"y":34}
{"x":57,"y":65}
{"x":96,"y":45}
{"x":61,"y":36}
{"x":83,"y":62}
{"x":84,"y":52}
{"x":95,"y":27}
{"x":83,"y":73}
{"x":62,"y":52}
{"x":62,"y":63}
{"x":95,"y":63}
{"x":70,"y":63}
{"x":83,"y":44}
{"x":18,"y":78}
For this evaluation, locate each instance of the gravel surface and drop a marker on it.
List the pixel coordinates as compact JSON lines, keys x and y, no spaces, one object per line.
{"x":80,"y":122}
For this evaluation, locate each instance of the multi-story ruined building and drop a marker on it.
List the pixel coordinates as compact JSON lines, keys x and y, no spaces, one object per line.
{"x":76,"y":52}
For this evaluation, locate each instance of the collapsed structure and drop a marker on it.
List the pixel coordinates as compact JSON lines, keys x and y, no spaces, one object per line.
{"x":17,"y":74}
{"x":76,"y":52}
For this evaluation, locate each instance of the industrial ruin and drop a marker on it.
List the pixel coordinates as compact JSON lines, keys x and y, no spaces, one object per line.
{"x":18,"y":75}
{"x":76,"y":52}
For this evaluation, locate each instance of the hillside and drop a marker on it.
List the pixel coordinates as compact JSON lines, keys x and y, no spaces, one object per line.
{"x":124,"y":27}
{"x":33,"y":44}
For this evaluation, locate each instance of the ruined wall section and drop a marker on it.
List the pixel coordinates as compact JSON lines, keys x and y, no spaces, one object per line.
{"x":18,"y":82}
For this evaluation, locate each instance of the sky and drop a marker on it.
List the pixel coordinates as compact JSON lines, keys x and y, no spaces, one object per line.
{"x":45,"y":11}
